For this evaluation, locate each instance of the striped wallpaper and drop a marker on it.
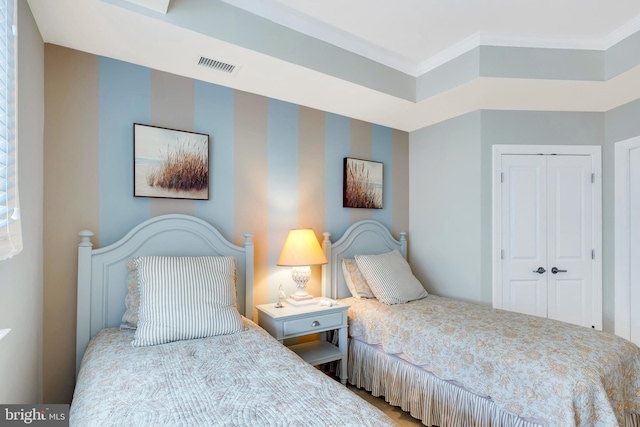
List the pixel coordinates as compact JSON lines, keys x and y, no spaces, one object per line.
{"x":273,"y":166}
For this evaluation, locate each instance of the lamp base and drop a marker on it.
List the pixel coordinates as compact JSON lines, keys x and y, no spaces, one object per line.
{"x":301,"y":275}
{"x":299,"y":303}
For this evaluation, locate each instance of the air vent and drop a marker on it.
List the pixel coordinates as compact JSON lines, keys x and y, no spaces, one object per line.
{"x":217,"y":65}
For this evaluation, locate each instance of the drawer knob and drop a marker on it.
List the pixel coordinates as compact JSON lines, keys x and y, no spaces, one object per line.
{"x":315,"y":323}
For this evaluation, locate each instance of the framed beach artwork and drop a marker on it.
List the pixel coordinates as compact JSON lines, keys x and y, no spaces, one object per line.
{"x":362,"y":184}
{"x":170,"y":163}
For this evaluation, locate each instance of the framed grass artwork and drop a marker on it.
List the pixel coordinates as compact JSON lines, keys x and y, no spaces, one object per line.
{"x":170,"y":163}
{"x":362,"y":184}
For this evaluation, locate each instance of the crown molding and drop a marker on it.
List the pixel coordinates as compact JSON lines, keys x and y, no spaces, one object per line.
{"x":288,"y":17}
{"x":310,"y":26}
{"x":449,"y":54}
{"x":538,"y":41}
{"x":484,"y":38}
{"x":622,"y":33}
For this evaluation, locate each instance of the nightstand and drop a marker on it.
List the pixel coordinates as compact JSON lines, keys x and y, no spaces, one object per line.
{"x":290,"y":322}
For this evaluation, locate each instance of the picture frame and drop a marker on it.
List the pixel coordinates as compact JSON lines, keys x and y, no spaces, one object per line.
{"x":170,"y":163}
{"x":363,"y":183}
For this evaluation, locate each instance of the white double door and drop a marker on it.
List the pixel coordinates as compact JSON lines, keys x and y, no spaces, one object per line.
{"x":547,"y":255}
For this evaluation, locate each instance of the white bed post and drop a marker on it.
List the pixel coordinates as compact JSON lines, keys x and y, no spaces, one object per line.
{"x":403,"y":244}
{"x":83,"y":316}
{"x":326,"y":268}
{"x":248,"y":279}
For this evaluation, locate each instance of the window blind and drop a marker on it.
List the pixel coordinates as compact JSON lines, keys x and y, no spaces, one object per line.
{"x":10,"y":227}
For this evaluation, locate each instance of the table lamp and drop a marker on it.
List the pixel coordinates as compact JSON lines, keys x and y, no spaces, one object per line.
{"x":301,"y":250}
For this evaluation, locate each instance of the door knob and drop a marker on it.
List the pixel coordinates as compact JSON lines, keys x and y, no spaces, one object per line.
{"x":540,"y":270}
{"x":555,"y":270}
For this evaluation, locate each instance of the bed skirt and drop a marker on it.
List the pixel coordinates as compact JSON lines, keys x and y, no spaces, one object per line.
{"x":426,"y":397}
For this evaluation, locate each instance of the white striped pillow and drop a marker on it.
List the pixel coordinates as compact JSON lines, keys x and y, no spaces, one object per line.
{"x":185,"y":298}
{"x":390,"y":278}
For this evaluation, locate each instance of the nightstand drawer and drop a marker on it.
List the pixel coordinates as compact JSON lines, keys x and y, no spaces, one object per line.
{"x":311,"y":324}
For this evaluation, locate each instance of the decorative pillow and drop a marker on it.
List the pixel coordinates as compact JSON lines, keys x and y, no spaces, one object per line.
{"x":185,"y":298}
{"x":355,"y":280}
{"x":390,"y":278}
{"x":132,"y":300}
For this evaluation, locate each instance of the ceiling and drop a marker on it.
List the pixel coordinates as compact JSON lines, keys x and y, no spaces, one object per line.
{"x":403,"y":39}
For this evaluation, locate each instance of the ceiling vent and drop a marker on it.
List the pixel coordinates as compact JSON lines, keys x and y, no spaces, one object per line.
{"x":217,"y":65}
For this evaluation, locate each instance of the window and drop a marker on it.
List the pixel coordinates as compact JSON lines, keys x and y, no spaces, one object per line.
{"x":10,"y":228}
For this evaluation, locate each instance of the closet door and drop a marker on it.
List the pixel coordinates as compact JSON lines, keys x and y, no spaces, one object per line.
{"x":524,"y":231}
{"x":569,"y":239}
{"x":547,"y":222}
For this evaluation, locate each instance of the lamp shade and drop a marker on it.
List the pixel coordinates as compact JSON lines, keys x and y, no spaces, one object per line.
{"x":301,"y":249}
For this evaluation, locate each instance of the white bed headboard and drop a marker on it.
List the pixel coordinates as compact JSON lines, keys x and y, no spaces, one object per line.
{"x":102,"y":272}
{"x":363,"y":237}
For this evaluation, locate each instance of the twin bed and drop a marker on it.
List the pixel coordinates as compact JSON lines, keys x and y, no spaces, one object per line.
{"x":244,"y":378}
{"x":446,"y":362}
{"x":451,"y":363}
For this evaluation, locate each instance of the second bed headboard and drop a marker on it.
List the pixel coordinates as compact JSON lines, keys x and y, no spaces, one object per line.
{"x":366,"y":237}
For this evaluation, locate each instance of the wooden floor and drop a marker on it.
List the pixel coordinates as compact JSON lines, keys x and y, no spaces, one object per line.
{"x":395,"y":413}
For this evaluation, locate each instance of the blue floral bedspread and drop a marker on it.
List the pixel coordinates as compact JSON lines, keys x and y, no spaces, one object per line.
{"x":536,"y":368}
